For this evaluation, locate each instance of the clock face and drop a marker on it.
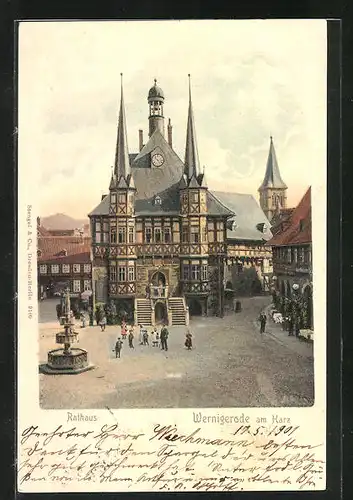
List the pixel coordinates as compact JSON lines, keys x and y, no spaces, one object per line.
{"x":157,"y":160}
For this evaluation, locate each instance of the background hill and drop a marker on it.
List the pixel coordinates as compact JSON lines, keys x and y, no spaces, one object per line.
{"x":62,"y":221}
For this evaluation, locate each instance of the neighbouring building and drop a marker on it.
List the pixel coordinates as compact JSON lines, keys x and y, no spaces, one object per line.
{"x":163,"y":243}
{"x":292,"y":262}
{"x":64,"y":261}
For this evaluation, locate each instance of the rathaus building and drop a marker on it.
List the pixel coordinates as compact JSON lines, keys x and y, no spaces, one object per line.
{"x":163,"y":244}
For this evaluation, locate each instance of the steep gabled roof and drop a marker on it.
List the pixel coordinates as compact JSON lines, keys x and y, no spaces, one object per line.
{"x":272,"y":177}
{"x":248,"y":217}
{"x":298,"y":230}
{"x":52,"y":249}
{"x":150,"y":181}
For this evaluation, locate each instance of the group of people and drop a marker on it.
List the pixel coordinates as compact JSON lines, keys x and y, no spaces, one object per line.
{"x":157,"y":339}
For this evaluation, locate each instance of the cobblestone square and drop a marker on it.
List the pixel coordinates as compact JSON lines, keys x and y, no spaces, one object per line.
{"x":231,"y":365}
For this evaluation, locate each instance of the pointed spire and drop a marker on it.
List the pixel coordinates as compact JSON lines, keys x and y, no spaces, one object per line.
{"x":192,"y":163}
{"x":272,"y":177}
{"x":122,"y":164}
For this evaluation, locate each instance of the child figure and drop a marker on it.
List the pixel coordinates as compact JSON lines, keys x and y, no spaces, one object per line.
{"x":123,"y":330}
{"x":188,"y":340}
{"x":155,"y":337}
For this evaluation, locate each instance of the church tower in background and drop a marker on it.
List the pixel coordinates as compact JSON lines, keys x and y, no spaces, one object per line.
{"x":273,"y":191}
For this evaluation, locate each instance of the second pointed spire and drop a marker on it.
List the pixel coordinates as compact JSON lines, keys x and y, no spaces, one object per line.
{"x":192,"y":163}
{"x":122,"y":163}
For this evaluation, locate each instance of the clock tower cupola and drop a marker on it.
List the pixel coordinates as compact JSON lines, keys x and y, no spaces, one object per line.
{"x":156,"y":102}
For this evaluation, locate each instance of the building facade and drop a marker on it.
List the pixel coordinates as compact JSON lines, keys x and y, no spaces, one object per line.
{"x":64,"y":262}
{"x":292,"y":264}
{"x":161,"y":242}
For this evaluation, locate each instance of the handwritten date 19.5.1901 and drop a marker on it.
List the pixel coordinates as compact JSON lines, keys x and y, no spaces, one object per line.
{"x":262,"y":430}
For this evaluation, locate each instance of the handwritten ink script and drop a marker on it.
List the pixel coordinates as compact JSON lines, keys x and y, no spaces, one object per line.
{"x":166,"y":458}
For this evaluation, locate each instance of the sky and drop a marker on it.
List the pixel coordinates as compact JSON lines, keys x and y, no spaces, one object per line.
{"x":250,"y":79}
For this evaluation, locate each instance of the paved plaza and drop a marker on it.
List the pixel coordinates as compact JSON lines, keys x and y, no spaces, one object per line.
{"x":231,"y":365}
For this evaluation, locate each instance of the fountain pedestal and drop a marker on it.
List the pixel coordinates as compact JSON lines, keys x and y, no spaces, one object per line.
{"x":67,"y":360}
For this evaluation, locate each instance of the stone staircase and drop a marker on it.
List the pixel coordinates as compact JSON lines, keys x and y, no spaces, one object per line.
{"x":143,"y":312}
{"x":180,"y":313}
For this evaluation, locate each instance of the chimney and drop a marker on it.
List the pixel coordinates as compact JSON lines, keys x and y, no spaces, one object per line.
{"x":140,"y":139}
{"x":170,"y":134}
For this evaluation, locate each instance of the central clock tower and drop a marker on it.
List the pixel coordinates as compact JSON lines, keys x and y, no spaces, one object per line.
{"x":156,"y":101}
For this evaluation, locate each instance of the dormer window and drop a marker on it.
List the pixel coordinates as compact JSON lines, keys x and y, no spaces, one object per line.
{"x":63,"y":253}
{"x":301,"y":225}
{"x":157,"y":200}
{"x":39,"y":253}
{"x":261,"y":227}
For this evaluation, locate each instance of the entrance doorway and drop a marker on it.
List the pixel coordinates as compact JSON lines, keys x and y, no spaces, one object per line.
{"x":158,"y":278}
{"x":195,"y":308}
{"x":161,"y":313}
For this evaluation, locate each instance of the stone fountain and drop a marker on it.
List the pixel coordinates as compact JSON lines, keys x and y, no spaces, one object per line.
{"x":67,"y":359}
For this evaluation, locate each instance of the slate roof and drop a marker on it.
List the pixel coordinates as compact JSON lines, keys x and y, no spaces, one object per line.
{"x":298,"y":230}
{"x":77,"y":248}
{"x":272,"y":177}
{"x":248,"y":217}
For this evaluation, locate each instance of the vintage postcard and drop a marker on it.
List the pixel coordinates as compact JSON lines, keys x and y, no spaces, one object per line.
{"x":172,"y":256}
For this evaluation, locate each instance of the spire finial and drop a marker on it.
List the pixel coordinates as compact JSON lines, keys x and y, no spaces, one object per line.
{"x":155,"y":81}
{"x":271,"y":138}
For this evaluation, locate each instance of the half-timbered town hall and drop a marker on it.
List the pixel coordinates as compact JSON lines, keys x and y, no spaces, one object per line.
{"x":162,"y":241}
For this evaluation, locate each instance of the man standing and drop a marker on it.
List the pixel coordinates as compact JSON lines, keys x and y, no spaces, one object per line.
{"x":263,"y":320}
{"x":118,"y":347}
{"x":164,"y":338}
{"x":131,"y":339}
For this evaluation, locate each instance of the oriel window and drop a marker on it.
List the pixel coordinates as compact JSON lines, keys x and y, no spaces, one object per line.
{"x":112,"y":273}
{"x":122,"y":273}
{"x":122,"y":198}
{"x":148,"y":234}
{"x":113,"y":235}
{"x":195,"y":272}
{"x":131,"y":273}
{"x":204,"y":272}
{"x":122,"y":235}
{"x":195,"y":235}
{"x":157,"y":235}
{"x":167,"y":235}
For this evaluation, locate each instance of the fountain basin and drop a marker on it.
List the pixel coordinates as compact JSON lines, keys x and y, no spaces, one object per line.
{"x":66,"y":338}
{"x":60,"y":362}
